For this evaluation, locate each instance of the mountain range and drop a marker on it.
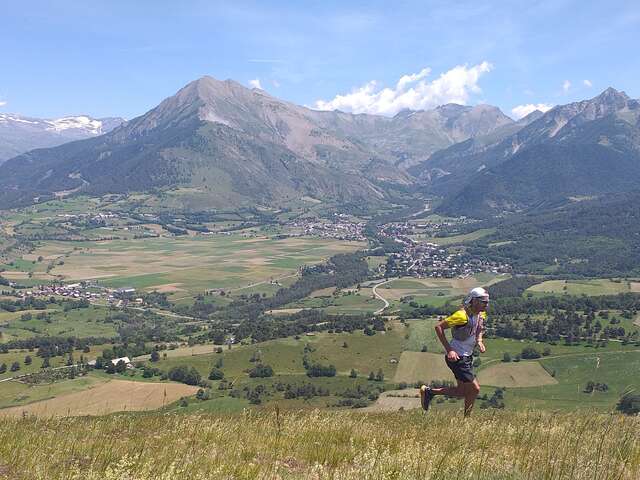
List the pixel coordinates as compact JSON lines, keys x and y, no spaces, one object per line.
{"x":218,"y":144}
{"x":19,"y":134}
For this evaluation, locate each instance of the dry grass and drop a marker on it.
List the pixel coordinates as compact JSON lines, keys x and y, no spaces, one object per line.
{"x":520,"y":374}
{"x":323,"y":445}
{"x":112,"y":396}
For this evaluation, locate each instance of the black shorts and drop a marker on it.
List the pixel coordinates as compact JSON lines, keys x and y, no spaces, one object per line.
{"x":462,"y":369}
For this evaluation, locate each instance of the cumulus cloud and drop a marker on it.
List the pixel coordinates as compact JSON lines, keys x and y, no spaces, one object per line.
{"x":566,"y":86}
{"x":412,"y":91}
{"x":2,"y":103}
{"x":522,"y":111}
{"x":255,"y":83}
{"x":587,"y":83}
{"x":276,"y":83}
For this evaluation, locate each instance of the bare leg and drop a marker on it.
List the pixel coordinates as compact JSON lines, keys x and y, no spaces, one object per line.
{"x":457,"y":391}
{"x":471,"y":392}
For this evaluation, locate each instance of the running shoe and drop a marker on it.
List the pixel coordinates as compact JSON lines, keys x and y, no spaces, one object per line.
{"x":425,"y":397}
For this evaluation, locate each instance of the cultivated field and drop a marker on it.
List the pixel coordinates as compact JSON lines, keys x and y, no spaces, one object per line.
{"x":174,"y":265}
{"x":393,"y":400}
{"x":520,"y":374}
{"x":422,"y":366}
{"x":108,"y":397}
{"x":435,"y":287}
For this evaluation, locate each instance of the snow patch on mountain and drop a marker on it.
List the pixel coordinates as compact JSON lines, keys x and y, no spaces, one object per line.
{"x":81,"y":122}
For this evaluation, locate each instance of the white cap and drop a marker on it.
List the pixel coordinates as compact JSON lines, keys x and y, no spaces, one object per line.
{"x":477,"y":292}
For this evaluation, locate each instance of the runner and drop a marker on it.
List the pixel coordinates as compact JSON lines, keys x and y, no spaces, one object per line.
{"x":467,"y":325}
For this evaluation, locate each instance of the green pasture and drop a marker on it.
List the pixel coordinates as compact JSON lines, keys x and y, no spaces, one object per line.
{"x":456,"y":239}
{"x":191,"y":264}
{"x":619,"y":370}
{"x":362,"y":353}
{"x":589,"y":287}
{"x":85,"y":322}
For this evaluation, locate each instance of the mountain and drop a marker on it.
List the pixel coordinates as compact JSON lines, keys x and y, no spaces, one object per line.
{"x":229,"y":145}
{"x":20,"y":134}
{"x":586,"y":148}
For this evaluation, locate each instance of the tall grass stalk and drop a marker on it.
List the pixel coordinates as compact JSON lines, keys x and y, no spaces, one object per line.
{"x":341,"y":445}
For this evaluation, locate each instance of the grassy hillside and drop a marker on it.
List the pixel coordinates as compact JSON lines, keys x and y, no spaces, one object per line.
{"x":323,"y":445}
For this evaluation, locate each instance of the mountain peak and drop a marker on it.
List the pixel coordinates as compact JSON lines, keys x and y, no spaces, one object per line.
{"x":613,"y":97}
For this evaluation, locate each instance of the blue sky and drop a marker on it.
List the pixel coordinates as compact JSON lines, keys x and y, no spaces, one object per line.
{"x":122,"y":57}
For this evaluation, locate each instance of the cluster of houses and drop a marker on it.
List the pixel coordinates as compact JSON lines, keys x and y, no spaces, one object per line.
{"x":339,"y":227}
{"x":72,"y":290}
{"x":118,"y":297}
{"x":424,"y":259}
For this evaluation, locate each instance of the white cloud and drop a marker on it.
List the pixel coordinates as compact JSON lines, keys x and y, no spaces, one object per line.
{"x":2,"y":103}
{"x":566,"y":86}
{"x":276,"y":83}
{"x":411,"y":91}
{"x":587,"y":83}
{"x":255,"y":83}
{"x":522,"y":111}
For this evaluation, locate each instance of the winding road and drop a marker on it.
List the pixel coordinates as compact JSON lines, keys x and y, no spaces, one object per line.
{"x":377,"y":295}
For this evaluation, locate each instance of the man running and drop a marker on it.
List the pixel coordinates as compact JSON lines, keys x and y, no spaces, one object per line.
{"x":466,"y":327}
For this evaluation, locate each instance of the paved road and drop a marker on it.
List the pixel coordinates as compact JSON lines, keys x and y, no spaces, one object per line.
{"x":375,"y":292}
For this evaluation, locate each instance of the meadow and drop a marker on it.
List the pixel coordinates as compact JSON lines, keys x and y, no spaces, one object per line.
{"x":323,"y":445}
{"x":178,"y":266}
{"x":587,"y":287}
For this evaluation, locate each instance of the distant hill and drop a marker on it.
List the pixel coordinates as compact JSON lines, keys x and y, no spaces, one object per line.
{"x":590,"y":237}
{"x":582,"y":149}
{"x":232,"y":146}
{"x":19,"y":134}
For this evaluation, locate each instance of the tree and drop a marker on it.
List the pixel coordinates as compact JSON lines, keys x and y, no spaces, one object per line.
{"x":530,"y":353}
{"x":27,"y":360}
{"x":184,"y":374}
{"x":45,"y":363}
{"x":155,"y":356}
{"x":261,"y":371}
{"x":25,"y":317}
{"x":121,"y":367}
{"x":15,"y":366}
{"x":353,"y":373}
{"x":506,"y":357}
{"x":372,"y":376}
{"x":629,"y":404}
{"x":3,"y":368}
{"x":216,"y":374}
{"x":380,"y":376}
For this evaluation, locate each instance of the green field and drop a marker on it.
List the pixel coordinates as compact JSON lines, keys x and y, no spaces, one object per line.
{"x":619,"y":370}
{"x":456,"y":239}
{"x":184,"y":265}
{"x":585,"y":287}
{"x":362,"y":353}
{"x":84,"y":322}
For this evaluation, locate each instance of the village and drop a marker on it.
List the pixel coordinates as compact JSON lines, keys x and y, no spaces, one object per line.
{"x":339,"y":227}
{"x":89,"y":290}
{"x":424,"y":259}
